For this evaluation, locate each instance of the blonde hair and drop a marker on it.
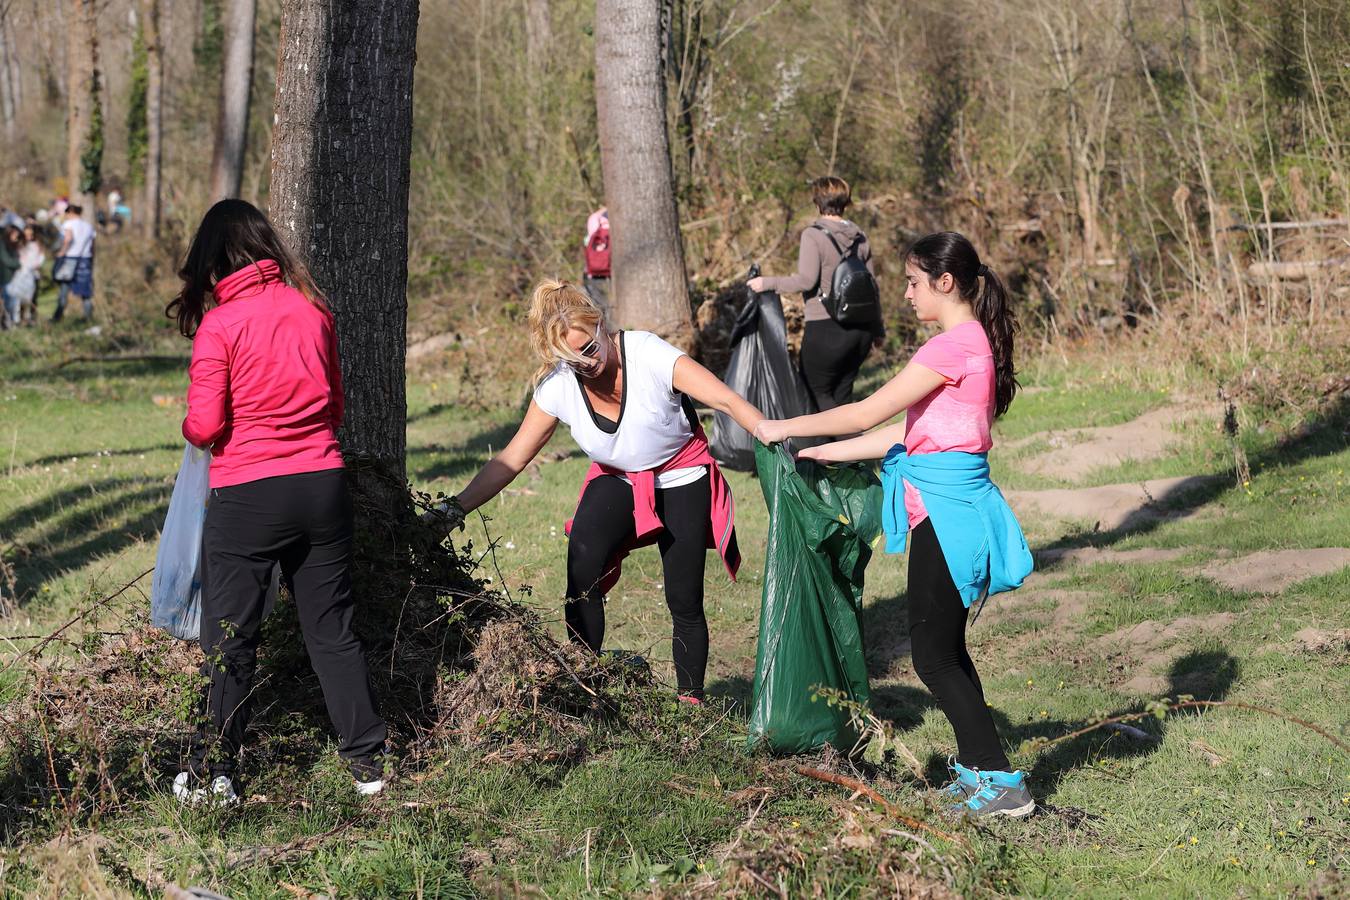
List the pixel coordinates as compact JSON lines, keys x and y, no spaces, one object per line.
{"x":556,"y":307}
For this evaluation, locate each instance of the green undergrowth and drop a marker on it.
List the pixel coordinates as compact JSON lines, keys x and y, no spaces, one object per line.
{"x":665,"y":799}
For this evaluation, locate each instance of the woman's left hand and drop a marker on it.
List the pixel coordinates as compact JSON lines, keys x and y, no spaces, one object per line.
{"x":772,"y":431}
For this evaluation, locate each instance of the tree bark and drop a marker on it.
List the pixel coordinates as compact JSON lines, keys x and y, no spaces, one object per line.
{"x":9,"y":90}
{"x":227,"y":158}
{"x":80,"y":67}
{"x":154,"y":90}
{"x":340,"y":167}
{"x":650,"y":290}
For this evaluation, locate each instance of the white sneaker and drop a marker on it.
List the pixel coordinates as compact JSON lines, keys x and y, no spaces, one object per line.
{"x":220,"y":792}
{"x":369,"y":788}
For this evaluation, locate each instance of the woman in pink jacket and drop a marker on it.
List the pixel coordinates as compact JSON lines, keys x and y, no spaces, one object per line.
{"x":266,"y":398}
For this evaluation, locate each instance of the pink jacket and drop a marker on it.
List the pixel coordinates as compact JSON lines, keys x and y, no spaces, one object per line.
{"x":266,"y":391}
{"x":722,"y":525}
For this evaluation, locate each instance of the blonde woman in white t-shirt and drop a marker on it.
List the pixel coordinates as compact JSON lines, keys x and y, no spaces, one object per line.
{"x":625,"y":397}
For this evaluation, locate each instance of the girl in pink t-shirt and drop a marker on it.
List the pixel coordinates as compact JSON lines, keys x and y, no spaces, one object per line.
{"x":951,"y":392}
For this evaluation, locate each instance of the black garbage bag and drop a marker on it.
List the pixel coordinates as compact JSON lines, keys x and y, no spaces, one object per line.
{"x":762,"y":372}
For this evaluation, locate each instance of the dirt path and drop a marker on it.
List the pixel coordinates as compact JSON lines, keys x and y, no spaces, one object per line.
{"x":1078,"y":451}
{"x":1271,"y":571}
{"x":1111,"y":506}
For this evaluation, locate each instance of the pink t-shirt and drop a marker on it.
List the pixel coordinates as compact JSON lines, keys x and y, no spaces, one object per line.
{"x":957,"y":415}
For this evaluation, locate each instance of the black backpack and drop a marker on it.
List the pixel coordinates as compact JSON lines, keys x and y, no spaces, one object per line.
{"x":853,"y":298}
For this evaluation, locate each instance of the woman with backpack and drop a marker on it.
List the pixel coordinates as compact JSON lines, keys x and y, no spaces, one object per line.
{"x":266,"y":398}
{"x":834,"y":346}
{"x":964,"y":542}
{"x":624,"y":395}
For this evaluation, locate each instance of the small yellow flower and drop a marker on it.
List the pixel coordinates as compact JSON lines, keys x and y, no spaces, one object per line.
{"x":1030,"y":682}
{"x":1061,"y":685}
{"x":1268,"y":846}
{"x":796,"y":824}
{"x":1096,"y":846}
{"x":1312,"y":862}
{"x":1044,"y":713}
{"x":1194,"y":839}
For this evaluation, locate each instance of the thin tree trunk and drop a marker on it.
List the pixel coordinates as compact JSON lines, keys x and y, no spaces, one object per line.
{"x":227,"y":158}
{"x":650,"y":287}
{"x":339,"y":196}
{"x":154,"y":89}
{"x":79,"y":94}
{"x":8,"y":88}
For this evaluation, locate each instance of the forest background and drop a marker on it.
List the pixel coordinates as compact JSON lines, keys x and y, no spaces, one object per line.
{"x":1113,"y":157}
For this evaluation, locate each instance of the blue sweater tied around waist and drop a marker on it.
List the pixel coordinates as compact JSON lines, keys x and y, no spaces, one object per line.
{"x":984,"y":546}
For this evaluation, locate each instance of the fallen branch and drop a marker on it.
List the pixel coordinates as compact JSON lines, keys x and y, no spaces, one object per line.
{"x":129,"y":357}
{"x":891,"y":809}
{"x":33,"y":652}
{"x":1192,"y":704}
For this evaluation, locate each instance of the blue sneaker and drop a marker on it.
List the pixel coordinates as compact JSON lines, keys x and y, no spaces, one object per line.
{"x":999,"y":794}
{"x":963,"y":786}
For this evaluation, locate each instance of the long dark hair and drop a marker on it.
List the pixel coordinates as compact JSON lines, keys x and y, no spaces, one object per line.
{"x":233,"y":235}
{"x":947,"y":251}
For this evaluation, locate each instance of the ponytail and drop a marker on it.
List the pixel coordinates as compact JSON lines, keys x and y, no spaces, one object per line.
{"x":952,"y":253}
{"x":995,"y":314}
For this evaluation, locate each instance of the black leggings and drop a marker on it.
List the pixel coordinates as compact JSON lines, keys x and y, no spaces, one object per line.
{"x":937,"y":634}
{"x":304,"y":522}
{"x":831,"y":357}
{"x":603,"y":522}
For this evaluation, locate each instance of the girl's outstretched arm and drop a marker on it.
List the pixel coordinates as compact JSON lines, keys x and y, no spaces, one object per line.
{"x":894,"y":397}
{"x":873,"y":445}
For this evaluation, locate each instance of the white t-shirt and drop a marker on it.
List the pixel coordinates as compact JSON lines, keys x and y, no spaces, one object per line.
{"x":81,"y":238}
{"x":652,"y":424}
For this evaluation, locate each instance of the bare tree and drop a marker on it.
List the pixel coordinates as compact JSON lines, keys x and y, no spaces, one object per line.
{"x":227,"y":158}
{"x":11,"y":89}
{"x":81,"y":72}
{"x":154,"y":126}
{"x":650,"y":286}
{"x":340,"y":168}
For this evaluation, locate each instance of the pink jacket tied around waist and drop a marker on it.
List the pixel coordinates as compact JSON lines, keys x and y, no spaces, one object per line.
{"x":647,"y":524}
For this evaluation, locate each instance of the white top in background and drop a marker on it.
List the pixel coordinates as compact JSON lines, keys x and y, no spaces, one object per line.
{"x":652,"y":424}
{"x":81,"y":238}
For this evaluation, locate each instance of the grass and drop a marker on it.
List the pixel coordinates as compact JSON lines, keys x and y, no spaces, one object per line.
{"x":1223,"y":802}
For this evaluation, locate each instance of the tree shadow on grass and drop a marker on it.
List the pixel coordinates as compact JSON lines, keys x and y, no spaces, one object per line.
{"x":68,"y":528}
{"x":1204,"y":674}
{"x":130,"y":451}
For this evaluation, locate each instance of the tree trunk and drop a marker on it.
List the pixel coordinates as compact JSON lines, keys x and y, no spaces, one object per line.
{"x":8,"y":89}
{"x":79,"y":92}
{"x":154,"y":89}
{"x":650,"y":290}
{"x":227,"y":159}
{"x":339,"y":196}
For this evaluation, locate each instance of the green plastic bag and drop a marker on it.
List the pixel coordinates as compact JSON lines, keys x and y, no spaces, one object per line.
{"x":823,"y":522}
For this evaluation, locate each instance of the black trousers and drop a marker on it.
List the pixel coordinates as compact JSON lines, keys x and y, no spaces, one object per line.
{"x":937,"y":633}
{"x":304,"y":522}
{"x":603,"y":522}
{"x":831,"y":356}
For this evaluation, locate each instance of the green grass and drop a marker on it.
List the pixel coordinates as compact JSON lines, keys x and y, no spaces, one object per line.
{"x":86,"y":462}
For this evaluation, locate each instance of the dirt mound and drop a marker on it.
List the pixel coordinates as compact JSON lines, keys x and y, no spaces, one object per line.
{"x":1079,"y":451}
{"x":1092,"y":555}
{"x":1149,"y":645}
{"x":1271,"y":571}
{"x":1314,"y":640}
{"x":1111,"y":506}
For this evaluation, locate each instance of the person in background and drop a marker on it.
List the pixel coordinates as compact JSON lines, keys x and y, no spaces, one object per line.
{"x":74,"y":270}
{"x":24,"y":286}
{"x":265,"y":396}
{"x":596,"y":279}
{"x":625,"y":397}
{"x":115,"y":220}
{"x":831,"y":354}
{"x":9,"y":267}
{"x":964,"y":542}
{"x":9,"y":218}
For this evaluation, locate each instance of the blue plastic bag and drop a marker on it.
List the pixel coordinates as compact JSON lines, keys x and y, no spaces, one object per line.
{"x":176,"y":592}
